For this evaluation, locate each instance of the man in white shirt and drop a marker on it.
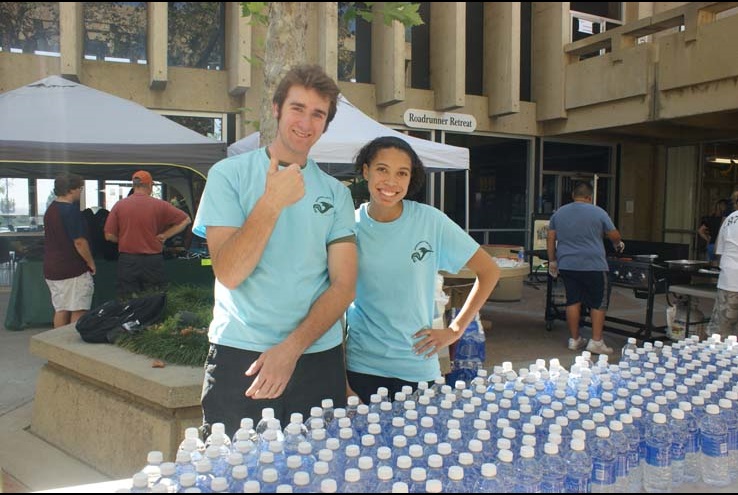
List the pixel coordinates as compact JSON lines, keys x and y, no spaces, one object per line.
{"x":724,"y":318}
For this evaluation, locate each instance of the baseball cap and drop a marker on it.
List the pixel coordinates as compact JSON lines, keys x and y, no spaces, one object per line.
{"x":143,"y":176}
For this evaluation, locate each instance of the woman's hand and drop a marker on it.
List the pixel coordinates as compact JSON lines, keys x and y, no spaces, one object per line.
{"x":433,"y":340}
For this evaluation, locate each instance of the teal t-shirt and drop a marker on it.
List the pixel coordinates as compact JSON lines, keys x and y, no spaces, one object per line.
{"x":398,"y":262}
{"x":293,"y":270}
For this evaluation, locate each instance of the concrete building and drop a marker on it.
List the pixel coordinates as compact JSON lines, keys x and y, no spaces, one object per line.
{"x":639,"y":96}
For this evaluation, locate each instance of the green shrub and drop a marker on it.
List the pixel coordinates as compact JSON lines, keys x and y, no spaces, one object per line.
{"x":182,"y":335}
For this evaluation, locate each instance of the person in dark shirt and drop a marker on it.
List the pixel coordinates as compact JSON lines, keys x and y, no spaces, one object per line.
{"x":68,"y":262}
{"x":710,"y":227}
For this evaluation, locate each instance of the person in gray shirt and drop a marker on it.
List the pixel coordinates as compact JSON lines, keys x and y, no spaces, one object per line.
{"x":576,"y":252}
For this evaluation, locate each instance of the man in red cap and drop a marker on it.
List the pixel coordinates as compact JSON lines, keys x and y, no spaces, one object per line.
{"x":140,"y":224}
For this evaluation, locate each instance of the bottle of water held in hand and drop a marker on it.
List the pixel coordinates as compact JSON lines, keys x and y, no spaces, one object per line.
{"x":470,"y":352}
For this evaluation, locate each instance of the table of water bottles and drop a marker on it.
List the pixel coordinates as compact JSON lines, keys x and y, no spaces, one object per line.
{"x":661,"y":419}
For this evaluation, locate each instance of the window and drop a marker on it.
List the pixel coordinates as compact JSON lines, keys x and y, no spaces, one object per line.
{"x":419,"y":37}
{"x":115,"y":190}
{"x":197,"y":35}
{"x":589,"y":18}
{"x":211,"y":127}
{"x":30,"y":27}
{"x":44,"y":195}
{"x":354,"y":46}
{"x":15,"y":210}
{"x":475,"y":48}
{"x":115,"y":31}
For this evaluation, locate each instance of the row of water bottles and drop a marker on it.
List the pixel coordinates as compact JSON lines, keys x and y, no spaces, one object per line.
{"x":661,"y":417}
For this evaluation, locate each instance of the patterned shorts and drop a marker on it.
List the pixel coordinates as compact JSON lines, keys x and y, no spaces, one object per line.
{"x":724,"y":319}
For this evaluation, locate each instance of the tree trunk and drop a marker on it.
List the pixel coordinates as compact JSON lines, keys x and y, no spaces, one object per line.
{"x":286,"y":39}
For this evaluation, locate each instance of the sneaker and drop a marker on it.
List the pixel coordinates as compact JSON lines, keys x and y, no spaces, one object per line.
{"x":576,"y":344}
{"x":598,"y":347}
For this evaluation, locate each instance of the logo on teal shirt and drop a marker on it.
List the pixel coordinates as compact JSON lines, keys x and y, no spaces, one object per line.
{"x":322,"y":205}
{"x":420,"y":251}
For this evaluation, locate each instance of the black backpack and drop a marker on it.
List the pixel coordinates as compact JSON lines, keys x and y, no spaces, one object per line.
{"x":105,"y":323}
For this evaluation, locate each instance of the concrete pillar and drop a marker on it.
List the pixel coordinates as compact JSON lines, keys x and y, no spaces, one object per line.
{"x":388,"y":59}
{"x":502,"y":57}
{"x":71,"y":45}
{"x":550,"y":27}
{"x":238,"y":49}
{"x":157,"y":44}
{"x":448,"y":54}
{"x":328,"y":37}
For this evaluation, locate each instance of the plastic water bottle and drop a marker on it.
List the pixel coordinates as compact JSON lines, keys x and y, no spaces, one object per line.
{"x":631,"y":345}
{"x":400,"y":487}
{"x":169,"y":477}
{"x":252,"y":486}
{"x":692,"y":455}
{"x":679,"y":442}
{"x":553,"y":470}
{"x":204,"y":475}
{"x":218,"y":436}
{"x":385,"y":479}
{"x":455,"y":482}
{"x":714,"y":440}
{"x":470,"y":351}
{"x":352,"y":482}
{"x":657,"y":466}
{"x":238,"y":478}
{"x":269,"y":480}
{"x":730,"y":416}
{"x":140,"y":483}
{"x":488,"y":481}
{"x":301,"y":482}
{"x":578,"y":468}
{"x":603,"y":461}
{"x":521,"y":255}
{"x":219,"y":485}
{"x":183,"y":463}
{"x":620,"y":443}
{"x":319,"y":473}
{"x":246,"y":431}
{"x":197,"y":444}
{"x":187,"y":481}
{"x":153,"y":466}
{"x":528,"y":471}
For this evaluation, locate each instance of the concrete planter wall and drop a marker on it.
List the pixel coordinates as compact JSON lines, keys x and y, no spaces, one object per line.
{"x":107,"y":406}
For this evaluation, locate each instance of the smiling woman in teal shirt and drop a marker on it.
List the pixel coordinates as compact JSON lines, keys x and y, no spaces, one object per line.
{"x":402,"y":245}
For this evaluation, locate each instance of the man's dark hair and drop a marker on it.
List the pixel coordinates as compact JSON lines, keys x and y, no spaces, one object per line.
{"x":582,"y":190}
{"x":310,"y":76}
{"x":369,"y":151}
{"x":64,"y":183}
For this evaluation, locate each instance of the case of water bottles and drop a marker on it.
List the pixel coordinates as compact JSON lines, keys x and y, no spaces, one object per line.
{"x":660,"y":419}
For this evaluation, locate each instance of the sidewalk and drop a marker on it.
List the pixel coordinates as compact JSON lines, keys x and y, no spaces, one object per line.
{"x":518,"y":334}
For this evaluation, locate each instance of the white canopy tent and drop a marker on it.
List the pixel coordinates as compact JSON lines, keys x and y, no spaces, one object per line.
{"x":351,"y":129}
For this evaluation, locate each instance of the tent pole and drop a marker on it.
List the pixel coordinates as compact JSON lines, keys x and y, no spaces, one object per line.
{"x":443,"y":191}
{"x":466,"y":204}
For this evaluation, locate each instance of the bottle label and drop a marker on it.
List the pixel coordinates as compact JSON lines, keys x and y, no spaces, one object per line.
{"x":634,"y":459}
{"x":577,"y":485}
{"x":603,"y":472}
{"x":732,"y":439}
{"x":714,"y":445}
{"x":658,"y":456}
{"x":678,"y":451}
{"x":621,"y":465}
{"x":693,"y":444}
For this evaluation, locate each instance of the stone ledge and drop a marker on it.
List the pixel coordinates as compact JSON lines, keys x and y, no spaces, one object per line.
{"x":172,"y":386}
{"x":107,"y":406}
